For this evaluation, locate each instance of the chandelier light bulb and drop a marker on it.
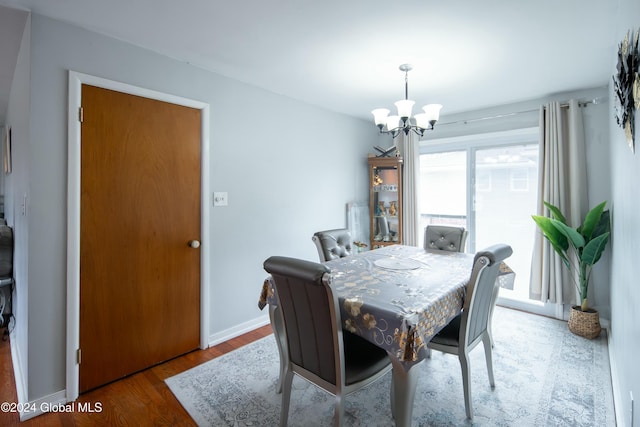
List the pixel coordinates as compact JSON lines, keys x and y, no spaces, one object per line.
{"x":432,"y":111}
{"x":404,"y":108}
{"x":393,"y":123}
{"x":380,"y":116}
{"x":422,"y":121}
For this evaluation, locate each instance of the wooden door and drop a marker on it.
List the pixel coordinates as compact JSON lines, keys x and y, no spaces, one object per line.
{"x":139,"y":208}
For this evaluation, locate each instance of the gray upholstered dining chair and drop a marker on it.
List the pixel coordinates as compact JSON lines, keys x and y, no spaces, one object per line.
{"x":469,"y":328}
{"x":445,"y":238}
{"x":318,"y":349}
{"x":332,"y":244}
{"x":453,"y":239}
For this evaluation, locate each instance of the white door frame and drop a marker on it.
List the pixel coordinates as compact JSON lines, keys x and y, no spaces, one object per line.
{"x":73,"y":214}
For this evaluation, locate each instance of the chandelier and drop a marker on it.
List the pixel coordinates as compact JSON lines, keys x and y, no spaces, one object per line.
{"x":403,"y":121}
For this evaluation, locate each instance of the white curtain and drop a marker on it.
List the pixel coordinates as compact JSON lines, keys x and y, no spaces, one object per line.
{"x":408,"y":147}
{"x":562,"y":181}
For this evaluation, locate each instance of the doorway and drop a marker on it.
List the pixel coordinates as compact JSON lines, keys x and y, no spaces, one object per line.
{"x":133,"y":279}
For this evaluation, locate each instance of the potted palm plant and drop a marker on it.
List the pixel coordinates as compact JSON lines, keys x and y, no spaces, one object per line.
{"x":579,"y":248}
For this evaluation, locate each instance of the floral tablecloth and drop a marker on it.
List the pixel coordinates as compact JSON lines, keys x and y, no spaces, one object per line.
{"x":398,"y":297}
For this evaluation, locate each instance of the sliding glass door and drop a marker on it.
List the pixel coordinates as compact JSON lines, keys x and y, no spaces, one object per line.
{"x":505,"y":198}
{"x":487,"y":183}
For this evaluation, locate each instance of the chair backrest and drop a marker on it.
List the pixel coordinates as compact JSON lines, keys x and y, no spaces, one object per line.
{"x":332,"y":244}
{"x":310,"y":315}
{"x":479,"y":297}
{"x":445,"y":238}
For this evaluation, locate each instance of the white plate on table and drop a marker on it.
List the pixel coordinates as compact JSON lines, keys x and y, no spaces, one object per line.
{"x":397,"y":263}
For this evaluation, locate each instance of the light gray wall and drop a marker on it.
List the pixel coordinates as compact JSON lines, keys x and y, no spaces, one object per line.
{"x":290,"y":169}
{"x":625,"y":268}
{"x":16,"y":185}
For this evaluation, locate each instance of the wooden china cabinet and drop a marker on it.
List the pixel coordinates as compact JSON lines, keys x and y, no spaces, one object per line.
{"x":385,"y":201}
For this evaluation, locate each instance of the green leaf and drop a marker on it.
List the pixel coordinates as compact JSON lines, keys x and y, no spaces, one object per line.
{"x":555,"y":212}
{"x":574,"y":237}
{"x":558,"y":240}
{"x":604,"y":226}
{"x":593,"y":250}
{"x":592,"y":220}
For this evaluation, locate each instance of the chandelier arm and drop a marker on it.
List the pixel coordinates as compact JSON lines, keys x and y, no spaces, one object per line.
{"x":393,"y":133}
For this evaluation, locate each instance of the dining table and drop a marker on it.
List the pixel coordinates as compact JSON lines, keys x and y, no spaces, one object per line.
{"x":398,"y":297}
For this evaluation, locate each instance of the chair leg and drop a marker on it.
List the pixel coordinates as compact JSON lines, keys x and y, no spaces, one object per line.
{"x":392,"y":392}
{"x":486,"y":340}
{"x":466,"y":383}
{"x":339,"y":412}
{"x":494,"y":299}
{"x":489,"y":332}
{"x":279,"y":334}
{"x":286,"y":397}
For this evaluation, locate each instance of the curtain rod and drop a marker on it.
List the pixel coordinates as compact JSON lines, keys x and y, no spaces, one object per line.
{"x":564,"y":104}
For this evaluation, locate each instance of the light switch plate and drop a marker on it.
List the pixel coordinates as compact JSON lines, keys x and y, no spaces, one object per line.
{"x":220,"y":198}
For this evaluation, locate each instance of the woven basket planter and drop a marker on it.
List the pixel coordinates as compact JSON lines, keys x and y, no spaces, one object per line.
{"x":584,"y":323}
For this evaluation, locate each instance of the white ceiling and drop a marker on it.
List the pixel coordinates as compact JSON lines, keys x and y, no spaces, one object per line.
{"x":344,"y":54}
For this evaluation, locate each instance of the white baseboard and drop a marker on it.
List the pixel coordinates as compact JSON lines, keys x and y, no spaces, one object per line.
{"x":30,"y":409}
{"x":615,"y":384}
{"x":55,"y":402}
{"x":238,"y":330}
{"x":19,"y":377}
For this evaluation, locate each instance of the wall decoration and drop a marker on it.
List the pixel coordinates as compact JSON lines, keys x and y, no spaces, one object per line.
{"x":626,"y":85}
{"x":6,"y":151}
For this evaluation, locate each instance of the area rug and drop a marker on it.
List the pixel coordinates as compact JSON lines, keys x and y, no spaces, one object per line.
{"x":545,"y":376}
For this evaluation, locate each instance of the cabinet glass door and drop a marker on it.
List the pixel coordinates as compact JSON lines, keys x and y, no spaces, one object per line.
{"x":386,"y":202}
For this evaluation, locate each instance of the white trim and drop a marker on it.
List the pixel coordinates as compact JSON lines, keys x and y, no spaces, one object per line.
{"x":45,"y":404}
{"x":238,"y":330}
{"x":73,"y":214}
{"x":19,"y":377}
{"x":621,"y":420}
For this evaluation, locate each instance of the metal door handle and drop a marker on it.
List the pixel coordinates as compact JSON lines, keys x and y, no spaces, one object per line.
{"x":194,"y":244}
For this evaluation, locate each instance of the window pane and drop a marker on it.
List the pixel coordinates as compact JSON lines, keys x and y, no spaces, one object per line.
{"x":443,"y":189}
{"x":503,"y":213}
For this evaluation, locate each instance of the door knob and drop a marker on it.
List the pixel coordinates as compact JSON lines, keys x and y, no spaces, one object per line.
{"x":194,"y":244}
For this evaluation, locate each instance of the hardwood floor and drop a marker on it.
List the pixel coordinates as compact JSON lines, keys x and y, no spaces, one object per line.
{"x":141,"y":399}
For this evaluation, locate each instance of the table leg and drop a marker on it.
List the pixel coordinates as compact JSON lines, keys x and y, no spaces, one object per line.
{"x":494,"y":299}
{"x":275,"y":316}
{"x":404,"y":389}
